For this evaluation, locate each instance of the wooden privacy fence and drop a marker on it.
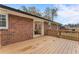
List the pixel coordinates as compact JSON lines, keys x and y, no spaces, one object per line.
{"x":73,"y":35}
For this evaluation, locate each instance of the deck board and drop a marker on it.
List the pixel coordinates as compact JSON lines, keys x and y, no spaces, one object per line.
{"x":43,"y":45}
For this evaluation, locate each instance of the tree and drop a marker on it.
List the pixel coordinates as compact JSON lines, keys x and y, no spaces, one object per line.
{"x":23,"y":8}
{"x":34,"y":10}
{"x":54,"y":13}
{"x":50,"y":13}
{"x":47,"y":13}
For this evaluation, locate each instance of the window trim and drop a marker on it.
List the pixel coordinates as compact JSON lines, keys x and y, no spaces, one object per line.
{"x":6,"y":22}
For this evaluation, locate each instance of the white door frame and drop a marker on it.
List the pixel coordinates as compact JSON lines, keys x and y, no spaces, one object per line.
{"x":42,"y":28}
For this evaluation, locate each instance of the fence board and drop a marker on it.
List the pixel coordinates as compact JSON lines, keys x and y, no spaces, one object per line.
{"x":73,"y":35}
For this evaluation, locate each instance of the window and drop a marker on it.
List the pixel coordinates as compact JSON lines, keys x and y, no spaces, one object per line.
{"x":3,"y":21}
{"x":37,"y":28}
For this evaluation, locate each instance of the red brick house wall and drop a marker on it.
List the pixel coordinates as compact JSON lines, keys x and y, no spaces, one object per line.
{"x":46,"y":27}
{"x":0,"y":38}
{"x":54,"y":27}
{"x":20,"y":29}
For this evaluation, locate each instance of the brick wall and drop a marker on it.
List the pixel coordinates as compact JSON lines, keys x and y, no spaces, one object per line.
{"x":54,"y":27}
{"x":53,"y":33}
{"x":20,"y":29}
{"x":53,"y":30}
{"x":0,"y":38}
{"x":46,"y":27}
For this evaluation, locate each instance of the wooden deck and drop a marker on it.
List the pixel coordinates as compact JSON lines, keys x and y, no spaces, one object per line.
{"x":43,"y":45}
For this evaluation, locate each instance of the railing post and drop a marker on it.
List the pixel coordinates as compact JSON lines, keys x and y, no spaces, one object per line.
{"x":78,"y":36}
{"x":59,"y":33}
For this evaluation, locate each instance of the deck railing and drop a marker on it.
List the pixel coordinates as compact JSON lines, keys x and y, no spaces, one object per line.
{"x":73,"y":35}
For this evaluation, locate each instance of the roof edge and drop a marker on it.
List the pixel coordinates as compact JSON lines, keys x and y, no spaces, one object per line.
{"x":26,"y":13}
{"x":17,"y":10}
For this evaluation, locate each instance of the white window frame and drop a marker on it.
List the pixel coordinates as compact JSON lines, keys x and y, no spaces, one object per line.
{"x":6,"y":22}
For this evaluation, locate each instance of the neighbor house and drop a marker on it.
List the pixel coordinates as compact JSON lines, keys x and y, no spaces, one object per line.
{"x":72,"y":28}
{"x":16,"y":25}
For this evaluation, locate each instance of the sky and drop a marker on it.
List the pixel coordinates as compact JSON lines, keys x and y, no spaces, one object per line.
{"x":67,"y":13}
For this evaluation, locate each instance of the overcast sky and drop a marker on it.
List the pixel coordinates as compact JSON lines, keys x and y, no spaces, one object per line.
{"x":67,"y":13}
